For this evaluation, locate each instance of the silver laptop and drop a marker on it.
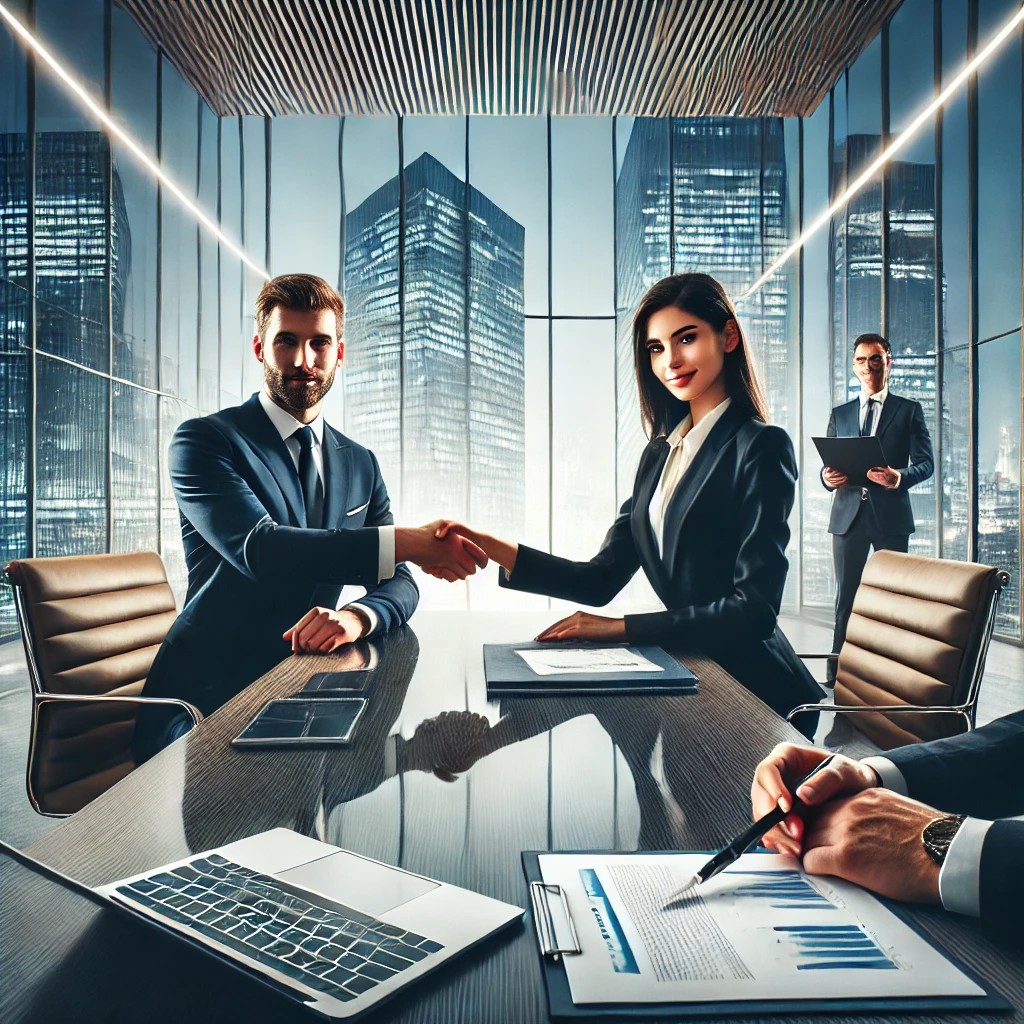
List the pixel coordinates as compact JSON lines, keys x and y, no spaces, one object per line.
{"x":334,"y":930}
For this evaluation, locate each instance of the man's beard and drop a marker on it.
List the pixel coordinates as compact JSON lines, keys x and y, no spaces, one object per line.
{"x":296,"y":396}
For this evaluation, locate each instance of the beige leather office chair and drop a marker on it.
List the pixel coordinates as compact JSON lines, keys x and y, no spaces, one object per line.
{"x":915,"y":648}
{"x":91,"y":625}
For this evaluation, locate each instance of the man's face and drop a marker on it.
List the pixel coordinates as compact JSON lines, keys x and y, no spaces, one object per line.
{"x":871,"y":365}
{"x":300,"y":354}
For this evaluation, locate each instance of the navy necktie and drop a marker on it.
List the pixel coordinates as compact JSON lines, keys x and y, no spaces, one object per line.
{"x":312,"y":493}
{"x":869,"y":416}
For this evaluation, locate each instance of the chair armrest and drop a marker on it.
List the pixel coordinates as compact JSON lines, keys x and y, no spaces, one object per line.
{"x":885,"y":709}
{"x":103,"y":698}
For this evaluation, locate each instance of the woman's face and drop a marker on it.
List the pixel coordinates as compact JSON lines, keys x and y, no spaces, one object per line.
{"x":688,"y":357}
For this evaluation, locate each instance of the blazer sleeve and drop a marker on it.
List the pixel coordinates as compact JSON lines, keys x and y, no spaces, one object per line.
{"x":976,"y":773}
{"x":766,"y":488}
{"x":1001,"y":887}
{"x":392,"y":600}
{"x":922,"y":459}
{"x":592,"y":583}
{"x":218,"y":502}
{"x":830,"y":432}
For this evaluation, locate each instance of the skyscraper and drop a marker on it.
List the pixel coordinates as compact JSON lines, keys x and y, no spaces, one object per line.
{"x":80,"y":276}
{"x":441,"y":401}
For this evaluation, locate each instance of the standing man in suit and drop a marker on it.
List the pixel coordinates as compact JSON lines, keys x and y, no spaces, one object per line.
{"x":279,"y":511}
{"x":877,"y":516}
{"x":957,"y":846}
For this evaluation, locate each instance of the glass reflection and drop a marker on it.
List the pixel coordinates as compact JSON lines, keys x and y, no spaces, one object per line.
{"x":999,"y":370}
{"x":134,"y":462}
{"x":15,"y":308}
{"x":71,"y":457}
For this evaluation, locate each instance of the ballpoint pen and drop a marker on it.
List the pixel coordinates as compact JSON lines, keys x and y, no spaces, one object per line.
{"x":744,"y":841}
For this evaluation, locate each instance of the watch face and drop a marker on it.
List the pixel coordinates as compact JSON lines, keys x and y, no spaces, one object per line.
{"x":938,"y":834}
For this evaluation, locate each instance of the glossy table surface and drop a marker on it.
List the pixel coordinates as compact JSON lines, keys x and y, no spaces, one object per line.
{"x":439,"y":781}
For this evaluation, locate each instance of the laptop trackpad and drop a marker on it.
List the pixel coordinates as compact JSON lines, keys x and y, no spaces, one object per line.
{"x":358,"y":883}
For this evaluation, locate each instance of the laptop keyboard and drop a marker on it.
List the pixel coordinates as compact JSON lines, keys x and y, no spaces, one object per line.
{"x":342,"y":953}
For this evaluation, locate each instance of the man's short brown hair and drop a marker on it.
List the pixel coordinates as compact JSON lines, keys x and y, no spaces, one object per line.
{"x":305,"y":293}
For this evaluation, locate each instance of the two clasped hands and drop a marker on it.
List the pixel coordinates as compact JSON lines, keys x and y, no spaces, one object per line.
{"x":884,"y":476}
{"x":852,"y":829}
{"x":450,"y":551}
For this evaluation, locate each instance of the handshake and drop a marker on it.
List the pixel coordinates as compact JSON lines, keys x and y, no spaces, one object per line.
{"x":449,"y":550}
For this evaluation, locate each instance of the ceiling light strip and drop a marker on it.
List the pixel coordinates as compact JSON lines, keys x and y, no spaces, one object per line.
{"x":894,"y":147}
{"x":127,"y":141}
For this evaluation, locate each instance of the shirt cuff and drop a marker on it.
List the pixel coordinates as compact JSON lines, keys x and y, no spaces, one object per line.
{"x":960,"y":877}
{"x":385,"y":552}
{"x":370,"y":614}
{"x":890,"y":776}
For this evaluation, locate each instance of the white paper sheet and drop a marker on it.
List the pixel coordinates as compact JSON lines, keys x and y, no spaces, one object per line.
{"x":587,"y":661}
{"x":761,"y":930}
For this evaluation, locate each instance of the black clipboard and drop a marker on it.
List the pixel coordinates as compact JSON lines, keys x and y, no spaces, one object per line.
{"x":561,"y":1006}
{"x":853,"y":456}
{"x":508,"y":675}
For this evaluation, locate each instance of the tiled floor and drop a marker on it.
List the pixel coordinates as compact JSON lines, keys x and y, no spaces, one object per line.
{"x":1001,"y":693}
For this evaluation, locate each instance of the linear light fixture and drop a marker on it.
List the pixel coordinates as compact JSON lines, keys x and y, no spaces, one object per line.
{"x":894,"y":147}
{"x":125,"y":139}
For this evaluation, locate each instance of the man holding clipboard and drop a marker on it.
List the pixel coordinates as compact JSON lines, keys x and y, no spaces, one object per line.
{"x":873,"y":512}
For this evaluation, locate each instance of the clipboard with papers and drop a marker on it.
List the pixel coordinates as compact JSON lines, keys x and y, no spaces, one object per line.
{"x":561,"y":669}
{"x":853,"y":456}
{"x":763,"y":939}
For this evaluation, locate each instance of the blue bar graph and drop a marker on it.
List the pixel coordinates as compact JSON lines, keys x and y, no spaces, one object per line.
{"x":784,"y":890}
{"x":834,"y":948}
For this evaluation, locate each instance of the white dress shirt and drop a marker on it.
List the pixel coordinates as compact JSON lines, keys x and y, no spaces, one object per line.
{"x":684,"y":443}
{"x":960,"y":875}
{"x":286,"y":425}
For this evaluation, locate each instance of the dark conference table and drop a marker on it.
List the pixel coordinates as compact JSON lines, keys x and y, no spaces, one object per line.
{"x":425,"y":785}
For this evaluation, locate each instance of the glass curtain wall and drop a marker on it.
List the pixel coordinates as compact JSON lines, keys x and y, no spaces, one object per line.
{"x":112,"y":304}
{"x":490,"y":267}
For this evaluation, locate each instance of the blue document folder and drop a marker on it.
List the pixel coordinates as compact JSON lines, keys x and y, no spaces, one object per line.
{"x":508,"y":674}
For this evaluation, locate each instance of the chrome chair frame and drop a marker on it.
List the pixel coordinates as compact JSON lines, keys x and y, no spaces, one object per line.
{"x":967,"y":710}
{"x":41,"y":696}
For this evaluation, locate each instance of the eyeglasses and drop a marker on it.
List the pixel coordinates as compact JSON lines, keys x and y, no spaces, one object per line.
{"x":875,"y":362}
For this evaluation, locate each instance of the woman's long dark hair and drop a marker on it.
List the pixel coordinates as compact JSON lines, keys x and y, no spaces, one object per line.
{"x":705,"y":298}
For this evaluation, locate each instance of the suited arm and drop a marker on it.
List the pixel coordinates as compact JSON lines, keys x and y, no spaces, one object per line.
{"x":221,"y":506}
{"x":977,"y":773}
{"x":392,"y":600}
{"x":830,"y":432}
{"x":751,"y":608}
{"x":592,"y":583}
{"x":922,"y":459}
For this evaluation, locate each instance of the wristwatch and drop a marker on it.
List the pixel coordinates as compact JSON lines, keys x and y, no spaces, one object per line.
{"x":938,"y":834}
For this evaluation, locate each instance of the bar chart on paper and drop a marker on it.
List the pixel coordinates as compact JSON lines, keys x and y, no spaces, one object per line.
{"x":761,"y":930}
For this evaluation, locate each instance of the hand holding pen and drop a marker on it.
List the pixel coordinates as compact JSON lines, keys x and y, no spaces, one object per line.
{"x":770,"y":788}
{"x":746,"y":839}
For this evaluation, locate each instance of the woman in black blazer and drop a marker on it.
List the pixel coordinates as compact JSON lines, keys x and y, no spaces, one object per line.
{"x":708,"y":518}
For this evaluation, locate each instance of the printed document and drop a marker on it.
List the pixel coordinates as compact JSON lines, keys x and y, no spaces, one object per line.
{"x":760,"y":930}
{"x":587,"y":661}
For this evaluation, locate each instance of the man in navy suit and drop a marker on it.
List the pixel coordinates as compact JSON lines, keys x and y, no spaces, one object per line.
{"x":877,"y":516}
{"x":279,"y":511}
{"x":866,"y":824}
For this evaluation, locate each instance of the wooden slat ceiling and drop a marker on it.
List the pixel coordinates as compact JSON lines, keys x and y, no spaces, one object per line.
{"x":652,"y":58}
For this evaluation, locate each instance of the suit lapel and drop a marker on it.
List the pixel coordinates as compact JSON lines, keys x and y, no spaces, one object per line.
{"x":270,"y":449}
{"x":652,"y":464}
{"x":696,"y":476}
{"x":848,"y":419}
{"x":337,"y":475}
{"x":890,"y":410}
